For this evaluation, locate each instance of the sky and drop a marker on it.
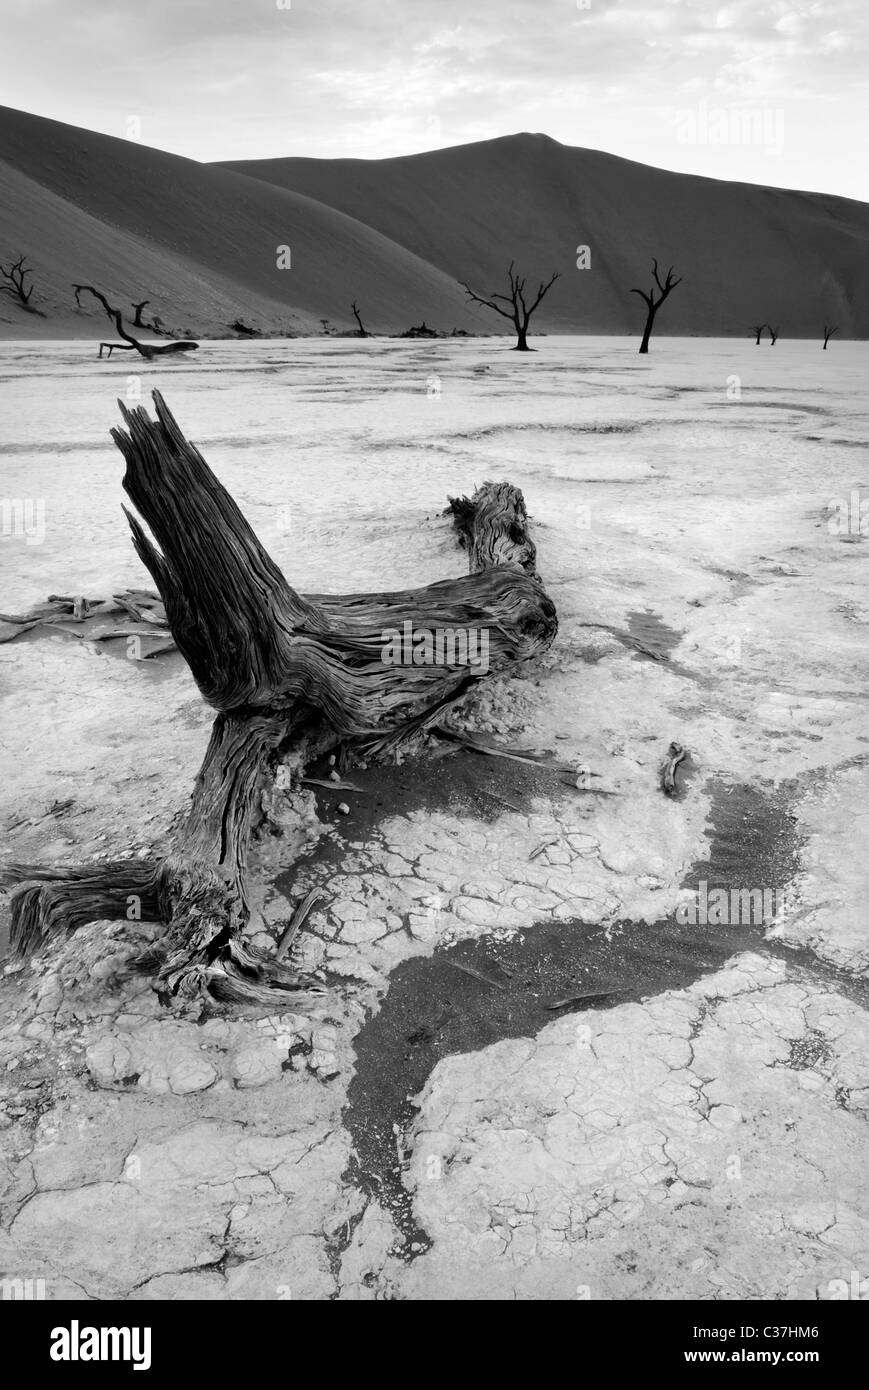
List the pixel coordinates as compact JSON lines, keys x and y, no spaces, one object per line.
{"x":765,"y":91}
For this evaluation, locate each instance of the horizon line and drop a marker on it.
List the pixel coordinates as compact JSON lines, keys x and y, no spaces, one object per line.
{"x":438,"y":149}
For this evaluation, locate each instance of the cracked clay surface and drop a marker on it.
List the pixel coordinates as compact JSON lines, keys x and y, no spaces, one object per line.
{"x":703,"y":1138}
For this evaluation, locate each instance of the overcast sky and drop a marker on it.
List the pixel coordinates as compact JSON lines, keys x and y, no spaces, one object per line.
{"x":762,"y":90}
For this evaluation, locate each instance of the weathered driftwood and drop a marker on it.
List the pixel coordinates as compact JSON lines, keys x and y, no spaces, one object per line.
{"x":95,"y":620}
{"x":675,"y":755}
{"x":290,"y":677}
{"x":493,"y":528}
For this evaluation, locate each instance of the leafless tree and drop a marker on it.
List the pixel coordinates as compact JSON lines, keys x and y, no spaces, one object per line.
{"x":773,"y":333}
{"x":829,"y":330}
{"x":518,"y":311}
{"x":130,"y":344}
{"x":16,"y":275}
{"x":757,"y":330}
{"x":362,"y":333}
{"x":653,"y":304}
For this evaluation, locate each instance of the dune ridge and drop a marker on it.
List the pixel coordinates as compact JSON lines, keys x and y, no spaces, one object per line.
{"x":200,"y":241}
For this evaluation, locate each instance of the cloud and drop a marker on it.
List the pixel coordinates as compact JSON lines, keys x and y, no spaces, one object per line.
{"x":220,"y":79}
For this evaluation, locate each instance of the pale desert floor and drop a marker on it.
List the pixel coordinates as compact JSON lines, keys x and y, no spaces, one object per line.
{"x":426,"y":1132}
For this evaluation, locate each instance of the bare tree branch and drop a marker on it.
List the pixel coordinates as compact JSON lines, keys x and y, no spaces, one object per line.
{"x":479,"y":299}
{"x":543,"y":289}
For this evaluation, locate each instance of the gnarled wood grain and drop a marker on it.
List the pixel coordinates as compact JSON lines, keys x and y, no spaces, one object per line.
{"x":287,"y":675}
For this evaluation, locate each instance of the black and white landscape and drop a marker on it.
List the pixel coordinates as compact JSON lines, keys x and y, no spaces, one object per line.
{"x":435,"y":814}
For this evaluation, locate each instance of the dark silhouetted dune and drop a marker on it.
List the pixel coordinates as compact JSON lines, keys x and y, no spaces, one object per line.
{"x":199,"y":241}
{"x":746,"y":252}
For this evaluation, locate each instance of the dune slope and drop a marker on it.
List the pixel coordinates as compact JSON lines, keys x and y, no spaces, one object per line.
{"x":199,"y":241}
{"x":747,"y":253}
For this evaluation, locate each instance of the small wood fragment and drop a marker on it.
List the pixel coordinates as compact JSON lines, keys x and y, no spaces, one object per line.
{"x":476,"y":974}
{"x":590,"y":996}
{"x":331,"y":786}
{"x":477,"y":744}
{"x":675,"y":755}
{"x":298,"y":919}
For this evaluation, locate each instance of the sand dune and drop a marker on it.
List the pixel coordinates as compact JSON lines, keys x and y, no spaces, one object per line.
{"x":199,"y":241}
{"x":747,"y":253}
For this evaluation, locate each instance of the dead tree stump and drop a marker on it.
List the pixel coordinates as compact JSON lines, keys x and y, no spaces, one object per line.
{"x":290,"y":677}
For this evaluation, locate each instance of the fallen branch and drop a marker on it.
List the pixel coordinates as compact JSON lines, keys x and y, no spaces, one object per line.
{"x":146,"y":350}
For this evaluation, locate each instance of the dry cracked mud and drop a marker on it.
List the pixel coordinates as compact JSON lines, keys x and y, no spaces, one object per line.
{"x":441,"y":1124}
{"x":526,"y":1077}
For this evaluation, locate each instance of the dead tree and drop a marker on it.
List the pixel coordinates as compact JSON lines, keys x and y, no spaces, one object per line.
{"x":156,"y":324}
{"x":829,"y":330}
{"x":773,"y":335}
{"x":16,"y":274}
{"x":131,"y":344}
{"x":757,"y":330}
{"x":289,"y":677}
{"x":518,"y":312}
{"x":653,"y":304}
{"x":362,"y":333}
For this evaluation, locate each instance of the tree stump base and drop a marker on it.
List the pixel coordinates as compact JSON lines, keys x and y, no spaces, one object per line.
{"x":289,"y":677}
